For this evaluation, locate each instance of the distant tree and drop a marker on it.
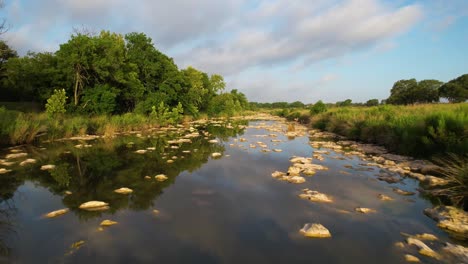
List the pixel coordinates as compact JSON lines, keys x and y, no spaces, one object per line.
{"x":318,"y":107}
{"x":456,"y":90}
{"x":3,"y":25}
{"x":296,"y":104}
{"x":372,"y":102}
{"x":346,"y":102}
{"x":411,"y":92}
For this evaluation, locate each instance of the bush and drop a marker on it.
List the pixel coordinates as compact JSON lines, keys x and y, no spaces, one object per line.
{"x":318,"y":108}
{"x":56,"y":103}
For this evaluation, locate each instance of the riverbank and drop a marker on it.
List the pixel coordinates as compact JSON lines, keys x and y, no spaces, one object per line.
{"x":417,"y":130}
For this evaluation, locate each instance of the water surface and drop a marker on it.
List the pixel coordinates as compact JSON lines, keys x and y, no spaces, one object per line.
{"x":225,"y":210}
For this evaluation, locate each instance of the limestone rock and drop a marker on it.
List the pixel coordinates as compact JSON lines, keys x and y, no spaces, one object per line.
{"x":315,"y":196}
{"x":3,"y":171}
{"x":216,"y":155}
{"x":27,"y":161}
{"x":364,"y":210}
{"x":451,"y":219}
{"x":296,"y":179}
{"x":402,"y":192}
{"x":411,"y":258}
{"x":432,"y":181}
{"x":160,"y":177}
{"x":277,"y":174}
{"x":141,"y":151}
{"x":124,"y":190}
{"x":108,"y":223}
{"x":423,"y":248}
{"x":294,"y":171}
{"x":57,"y":213}
{"x":94,"y":206}
{"x":384,"y":197}
{"x":16,"y":155}
{"x":425,"y":236}
{"x":315,"y":230}
{"x":459,"y":252}
{"x":48,"y":167}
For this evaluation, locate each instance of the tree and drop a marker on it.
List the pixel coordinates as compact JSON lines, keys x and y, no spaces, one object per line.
{"x":3,"y":25}
{"x":411,"y":92}
{"x":346,"y":102}
{"x":318,"y":107}
{"x":372,"y":102}
{"x":296,"y":104}
{"x":56,"y":103}
{"x":456,"y":90}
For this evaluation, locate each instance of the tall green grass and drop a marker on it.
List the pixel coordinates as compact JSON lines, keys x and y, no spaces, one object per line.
{"x":23,"y":128}
{"x":418,"y":130}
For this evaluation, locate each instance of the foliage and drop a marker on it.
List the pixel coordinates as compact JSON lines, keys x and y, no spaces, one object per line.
{"x":227,"y":104}
{"x":346,"y":102}
{"x":318,"y":107}
{"x":456,"y":90}
{"x":99,"y":100}
{"x":411,"y":92}
{"x":56,"y":103}
{"x":454,"y":168}
{"x":372,"y":102}
{"x":420,"y":130}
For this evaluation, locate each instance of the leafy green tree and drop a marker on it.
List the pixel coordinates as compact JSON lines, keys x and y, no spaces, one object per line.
{"x":318,"y":107}
{"x":372,"y":102}
{"x":56,"y":103}
{"x":297,"y":104}
{"x":411,"y":92}
{"x":456,"y":90}
{"x":344,"y":103}
{"x":99,"y":100}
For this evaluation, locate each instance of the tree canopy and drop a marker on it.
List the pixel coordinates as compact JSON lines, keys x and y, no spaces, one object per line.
{"x":456,"y":90}
{"x":411,"y":92}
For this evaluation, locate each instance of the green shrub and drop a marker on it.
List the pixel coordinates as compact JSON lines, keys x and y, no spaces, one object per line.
{"x":56,"y":103}
{"x":318,"y":108}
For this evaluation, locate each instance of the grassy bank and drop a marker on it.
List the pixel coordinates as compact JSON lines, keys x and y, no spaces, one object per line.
{"x":23,"y":128}
{"x":416,"y":130}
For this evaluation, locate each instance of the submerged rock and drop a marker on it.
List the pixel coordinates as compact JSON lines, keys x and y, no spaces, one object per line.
{"x":402,"y":192}
{"x":48,"y":167}
{"x":94,"y":206}
{"x":315,"y":230}
{"x":364,"y":210}
{"x":432,"y":181}
{"x":123,"y":190}
{"x":56,"y":213}
{"x":423,"y":248}
{"x":425,"y":236}
{"x":389,"y":178}
{"x":384,"y":197}
{"x":450,"y":218}
{"x":315,"y":196}
{"x":161,"y":177}
{"x":108,"y":223}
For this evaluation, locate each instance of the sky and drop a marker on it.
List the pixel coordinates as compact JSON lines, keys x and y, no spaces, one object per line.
{"x":272,"y":50}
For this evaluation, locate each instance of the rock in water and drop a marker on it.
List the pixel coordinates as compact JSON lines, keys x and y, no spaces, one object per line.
{"x":48,"y":167}
{"x":364,"y":210}
{"x":315,"y":196}
{"x":160,"y":177}
{"x":458,"y":251}
{"x":27,"y":161}
{"x":277,"y":174}
{"x":124,"y":190}
{"x":94,"y":206}
{"x":216,"y":155}
{"x":423,"y":248}
{"x":315,"y":230}
{"x":3,"y":171}
{"x":57,"y":213}
{"x":384,"y":197}
{"x":411,"y":258}
{"x":451,"y":219}
{"x":401,"y":192}
{"x":296,"y":179}
{"x":108,"y":223}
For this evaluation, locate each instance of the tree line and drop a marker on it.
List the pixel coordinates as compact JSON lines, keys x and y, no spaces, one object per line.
{"x":110,"y":73}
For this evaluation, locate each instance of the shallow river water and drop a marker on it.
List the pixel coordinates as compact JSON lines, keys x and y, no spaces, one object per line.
{"x":210,"y":210}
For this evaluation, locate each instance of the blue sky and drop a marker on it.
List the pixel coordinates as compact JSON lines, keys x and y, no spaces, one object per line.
{"x":273,"y":50}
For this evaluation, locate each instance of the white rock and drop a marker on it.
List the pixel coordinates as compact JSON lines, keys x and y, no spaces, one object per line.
{"x":124,"y":190}
{"x":315,"y":230}
{"x":16,"y":155}
{"x":296,"y":179}
{"x":160,"y":177}
{"x":27,"y":161}
{"x":48,"y":167}
{"x":315,"y":196}
{"x":56,"y":213}
{"x":108,"y":223}
{"x":3,"y":171}
{"x":94,"y":206}
{"x":141,"y":151}
{"x":216,"y":155}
